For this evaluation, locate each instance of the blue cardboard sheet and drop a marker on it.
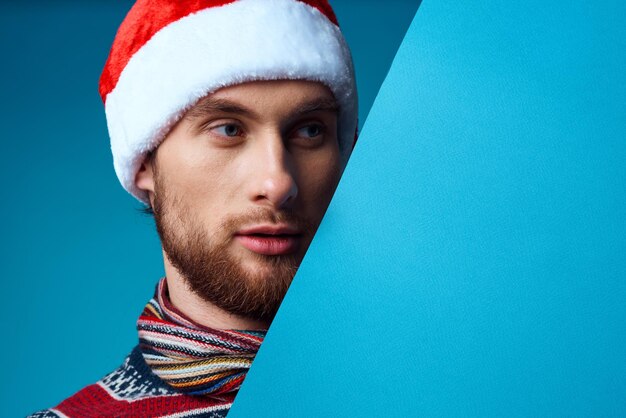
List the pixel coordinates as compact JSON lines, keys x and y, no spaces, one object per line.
{"x":472,"y":262}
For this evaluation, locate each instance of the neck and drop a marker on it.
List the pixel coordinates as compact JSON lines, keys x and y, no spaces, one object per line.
{"x":199,"y":310}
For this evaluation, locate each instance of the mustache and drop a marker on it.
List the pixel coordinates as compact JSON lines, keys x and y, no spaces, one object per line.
{"x":268,"y":216}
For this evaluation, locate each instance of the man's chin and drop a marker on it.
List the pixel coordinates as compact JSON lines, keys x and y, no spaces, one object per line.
{"x":254,"y":287}
{"x":258,"y":267}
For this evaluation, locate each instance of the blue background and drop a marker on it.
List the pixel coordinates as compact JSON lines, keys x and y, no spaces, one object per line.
{"x":78,"y":260}
{"x":473,"y":260}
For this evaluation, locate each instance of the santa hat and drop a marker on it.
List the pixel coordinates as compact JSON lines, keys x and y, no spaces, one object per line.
{"x":168,"y":54}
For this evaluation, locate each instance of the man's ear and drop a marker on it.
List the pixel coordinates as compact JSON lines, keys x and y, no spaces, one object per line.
{"x":144,"y":179}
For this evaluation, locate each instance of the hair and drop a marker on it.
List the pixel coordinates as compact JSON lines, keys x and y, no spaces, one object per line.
{"x":146,"y":210}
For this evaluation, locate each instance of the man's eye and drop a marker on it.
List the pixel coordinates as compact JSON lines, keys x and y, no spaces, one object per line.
{"x":310,"y":131}
{"x":229,"y":129}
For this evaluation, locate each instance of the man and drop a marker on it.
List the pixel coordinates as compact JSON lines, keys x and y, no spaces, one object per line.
{"x":232,"y":121}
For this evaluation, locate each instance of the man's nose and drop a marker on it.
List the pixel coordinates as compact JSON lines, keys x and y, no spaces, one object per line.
{"x":273,"y":179}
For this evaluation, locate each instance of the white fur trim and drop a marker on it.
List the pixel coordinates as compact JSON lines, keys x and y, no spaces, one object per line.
{"x":217,"y":47}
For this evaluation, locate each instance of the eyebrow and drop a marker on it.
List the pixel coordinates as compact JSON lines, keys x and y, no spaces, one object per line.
{"x":316,"y":105}
{"x":212,"y":105}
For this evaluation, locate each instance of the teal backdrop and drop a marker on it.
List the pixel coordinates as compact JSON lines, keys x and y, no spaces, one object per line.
{"x":78,"y":260}
{"x":473,"y":260}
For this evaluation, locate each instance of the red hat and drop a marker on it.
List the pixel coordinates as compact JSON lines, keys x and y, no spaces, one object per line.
{"x":168,"y":54}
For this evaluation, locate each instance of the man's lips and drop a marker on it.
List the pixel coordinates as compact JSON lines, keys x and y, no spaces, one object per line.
{"x":270,"y":239}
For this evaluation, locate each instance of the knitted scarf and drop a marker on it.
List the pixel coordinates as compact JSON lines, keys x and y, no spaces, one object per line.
{"x":193,"y":359}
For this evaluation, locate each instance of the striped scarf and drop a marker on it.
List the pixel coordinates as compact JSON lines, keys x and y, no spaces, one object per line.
{"x":189,"y":357}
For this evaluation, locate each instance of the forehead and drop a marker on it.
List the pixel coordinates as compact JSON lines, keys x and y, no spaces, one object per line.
{"x":275,"y":96}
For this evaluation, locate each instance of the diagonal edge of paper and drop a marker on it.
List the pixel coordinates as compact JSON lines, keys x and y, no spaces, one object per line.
{"x":274,"y":391}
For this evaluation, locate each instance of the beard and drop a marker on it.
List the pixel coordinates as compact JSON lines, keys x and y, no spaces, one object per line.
{"x":211,"y":271}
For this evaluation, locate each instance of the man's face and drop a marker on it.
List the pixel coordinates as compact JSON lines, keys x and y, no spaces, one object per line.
{"x":240,"y":186}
